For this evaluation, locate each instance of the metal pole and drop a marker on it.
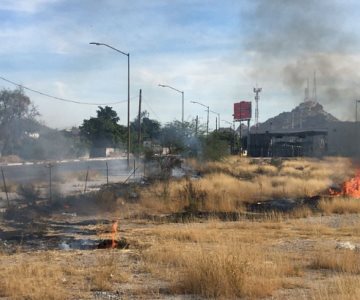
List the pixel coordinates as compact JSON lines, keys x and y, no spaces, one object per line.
{"x":234,"y":136}
{"x":5,"y":187}
{"x":182,"y":100}
{"x":128,"y":121}
{"x":50,"y":183}
{"x":248,"y":139}
{"x":182,"y":111}
{"x":139,"y":122}
{"x":107,"y":173}
{"x":207,"y":122}
{"x":240,"y":137}
{"x":128,"y":114}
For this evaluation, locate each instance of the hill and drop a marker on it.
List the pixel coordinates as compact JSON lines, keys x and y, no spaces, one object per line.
{"x":307,"y":115}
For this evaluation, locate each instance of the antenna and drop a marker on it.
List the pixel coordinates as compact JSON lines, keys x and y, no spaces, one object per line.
{"x":307,"y":91}
{"x":257,"y":92}
{"x":314,"y":88}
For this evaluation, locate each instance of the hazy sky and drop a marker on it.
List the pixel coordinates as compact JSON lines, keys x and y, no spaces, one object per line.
{"x":215,"y":51}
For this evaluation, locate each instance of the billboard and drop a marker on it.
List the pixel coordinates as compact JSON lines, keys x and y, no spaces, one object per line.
{"x":242,"y":111}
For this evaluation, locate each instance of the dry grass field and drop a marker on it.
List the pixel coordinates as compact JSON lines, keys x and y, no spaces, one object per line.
{"x":311,"y":252}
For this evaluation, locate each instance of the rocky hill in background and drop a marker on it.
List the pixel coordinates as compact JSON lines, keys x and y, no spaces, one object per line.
{"x":307,"y":115}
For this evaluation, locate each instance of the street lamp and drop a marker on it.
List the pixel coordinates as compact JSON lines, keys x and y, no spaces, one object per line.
{"x":182,"y":100}
{"x":128,"y":112}
{"x":208,"y":110}
{"x":216,"y":113}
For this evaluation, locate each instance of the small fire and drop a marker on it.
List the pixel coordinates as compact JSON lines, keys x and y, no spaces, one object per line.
{"x":350,"y":188}
{"x":114,"y":229}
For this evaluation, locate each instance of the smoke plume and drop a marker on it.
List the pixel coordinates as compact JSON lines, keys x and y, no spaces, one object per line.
{"x":300,"y":37}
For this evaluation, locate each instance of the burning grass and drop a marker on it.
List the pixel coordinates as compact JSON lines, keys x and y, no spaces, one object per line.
{"x":227,"y":186}
{"x":273,"y":256}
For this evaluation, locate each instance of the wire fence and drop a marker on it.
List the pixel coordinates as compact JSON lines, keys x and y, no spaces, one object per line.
{"x":49,"y":179}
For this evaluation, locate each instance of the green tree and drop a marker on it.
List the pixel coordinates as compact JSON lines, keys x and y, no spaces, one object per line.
{"x":103,"y":131}
{"x":181,"y":137}
{"x":15,"y":109}
{"x":150,"y":130}
{"x":216,"y":145}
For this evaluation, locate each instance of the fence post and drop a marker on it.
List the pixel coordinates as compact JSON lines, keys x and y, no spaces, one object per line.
{"x":134,"y":168}
{"x":86,"y":179}
{"x":5,"y":187}
{"x":107,"y":173}
{"x":50,"y":166}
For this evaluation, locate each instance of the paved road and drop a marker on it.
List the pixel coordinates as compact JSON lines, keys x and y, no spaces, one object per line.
{"x":39,"y":171}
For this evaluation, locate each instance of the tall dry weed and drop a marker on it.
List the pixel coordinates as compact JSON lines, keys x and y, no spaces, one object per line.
{"x":346,"y":261}
{"x":229,"y":184}
{"x":228,"y":270}
{"x":33,"y":280}
{"x":340,"y":205}
{"x":105,"y":273}
{"x":341,"y":287}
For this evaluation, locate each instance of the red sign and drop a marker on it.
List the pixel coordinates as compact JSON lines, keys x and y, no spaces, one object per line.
{"x":242,"y":111}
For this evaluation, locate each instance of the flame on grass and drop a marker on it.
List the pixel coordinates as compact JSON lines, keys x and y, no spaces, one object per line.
{"x":114,"y":230}
{"x":350,"y":188}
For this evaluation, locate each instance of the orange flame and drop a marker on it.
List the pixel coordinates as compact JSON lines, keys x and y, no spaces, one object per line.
{"x":114,"y":229}
{"x":350,"y":188}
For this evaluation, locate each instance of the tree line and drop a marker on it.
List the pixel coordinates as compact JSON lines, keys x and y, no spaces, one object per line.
{"x":21,"y":134}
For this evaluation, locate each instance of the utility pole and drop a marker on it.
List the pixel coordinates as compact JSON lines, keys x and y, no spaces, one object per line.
{"x":139,"y":120}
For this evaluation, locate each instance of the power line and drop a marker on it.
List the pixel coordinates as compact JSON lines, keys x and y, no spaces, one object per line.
{"x":148,"y":105}
{"x":61,"y":99}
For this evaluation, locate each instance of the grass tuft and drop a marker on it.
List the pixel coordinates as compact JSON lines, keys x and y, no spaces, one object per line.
{"x":340,"y":205}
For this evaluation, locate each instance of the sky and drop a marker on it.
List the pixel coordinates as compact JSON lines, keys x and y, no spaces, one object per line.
{"x":214,"y":51}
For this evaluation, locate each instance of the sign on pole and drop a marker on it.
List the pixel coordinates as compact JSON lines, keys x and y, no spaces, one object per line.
{"x":242,"y":111}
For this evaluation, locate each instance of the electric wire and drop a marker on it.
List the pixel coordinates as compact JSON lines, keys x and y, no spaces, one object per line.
{"x":62,"y":99}
{"x":149,"y":106}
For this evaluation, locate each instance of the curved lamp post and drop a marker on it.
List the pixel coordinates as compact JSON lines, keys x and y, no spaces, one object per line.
{"x":208,"y":110}
{"x":128,"y":113}
{"x":182,"y":99}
